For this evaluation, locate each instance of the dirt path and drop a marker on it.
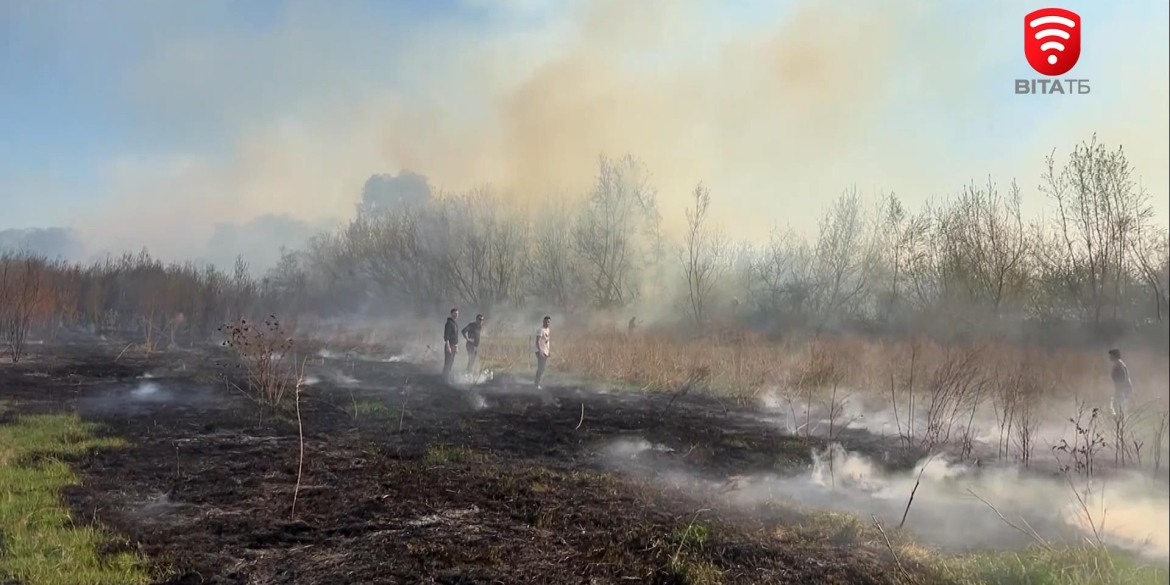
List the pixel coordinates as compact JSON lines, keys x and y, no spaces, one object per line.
{"x":495,"y":486}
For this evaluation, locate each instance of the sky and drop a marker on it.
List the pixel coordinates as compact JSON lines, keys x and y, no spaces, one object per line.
{"x":169,"y":124}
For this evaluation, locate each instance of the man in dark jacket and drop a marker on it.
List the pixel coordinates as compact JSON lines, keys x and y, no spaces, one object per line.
{"x":471,"y":334}
{"x":450,"y":343}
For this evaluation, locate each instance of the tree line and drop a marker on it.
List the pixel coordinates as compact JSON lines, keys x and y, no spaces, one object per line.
{"x":1093,"y":265}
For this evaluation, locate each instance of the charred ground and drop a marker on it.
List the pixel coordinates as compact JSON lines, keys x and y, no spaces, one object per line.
{"x":407,"y":480}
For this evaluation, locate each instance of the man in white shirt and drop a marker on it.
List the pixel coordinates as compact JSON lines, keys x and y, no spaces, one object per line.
{"x":542,"y":348}
{"x":1122,"y":386}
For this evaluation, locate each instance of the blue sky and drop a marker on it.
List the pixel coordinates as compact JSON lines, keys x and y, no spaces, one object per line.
{"x":101,"y":100}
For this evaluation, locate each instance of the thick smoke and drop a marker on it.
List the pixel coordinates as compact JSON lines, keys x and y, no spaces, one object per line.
{"x":777,"y":107}
{"x":57,"y":243}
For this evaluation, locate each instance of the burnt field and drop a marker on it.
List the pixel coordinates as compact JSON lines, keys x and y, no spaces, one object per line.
{"x":406,"y":479}
{"x":400,"y":478}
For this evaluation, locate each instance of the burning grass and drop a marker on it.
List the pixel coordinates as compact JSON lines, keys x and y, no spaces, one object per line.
{"x":41,"y":545}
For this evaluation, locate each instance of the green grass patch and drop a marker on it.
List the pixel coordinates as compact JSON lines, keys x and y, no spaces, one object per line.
{"x":371,"y":409}
{"x":40,"y":545}
{"x":1078,"y":565}
{"x":695,"y":572}
{"x":438,"y":454}
{"x":696,"y":535}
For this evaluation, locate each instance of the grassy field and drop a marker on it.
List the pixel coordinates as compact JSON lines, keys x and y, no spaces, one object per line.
{"x":42,"y":544}
{"x":406,"y":456}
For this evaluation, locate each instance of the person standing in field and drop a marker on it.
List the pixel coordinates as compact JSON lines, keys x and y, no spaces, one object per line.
{"x":1122,"y":386}
{"x":630,"y":327}
{"x":542,"y":348}
{"x":471,"y":334}
{"x":450,"y":343}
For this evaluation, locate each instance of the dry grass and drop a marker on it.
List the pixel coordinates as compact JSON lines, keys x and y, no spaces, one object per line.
{"x":935,"y":395}
{"x":746,"y":364}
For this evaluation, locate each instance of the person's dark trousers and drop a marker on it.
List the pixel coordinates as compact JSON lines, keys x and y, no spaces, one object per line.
{"x":540,"y":361}
{"x":472,"y":355}
{"x":448,"y":362}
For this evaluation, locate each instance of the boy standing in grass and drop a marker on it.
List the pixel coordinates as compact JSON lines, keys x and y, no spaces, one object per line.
{"x":542,"y":348}
{"x":450,"y":343}
{"x":1122,"y":386}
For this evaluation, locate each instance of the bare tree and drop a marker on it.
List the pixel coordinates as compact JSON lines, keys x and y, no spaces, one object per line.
{"x":906,"y":238}
{"x":985,"y":245}
{"x":487,"y":261}
{"x":554,"y":276}
{"x":610,"y":232}
{"x":844,"y":258}
{"x":1151,"y":256}
{"x":1099,"y":213}
{"x":781,"y":275}
{"x":21,"y":291}
{"x":703,"y":256}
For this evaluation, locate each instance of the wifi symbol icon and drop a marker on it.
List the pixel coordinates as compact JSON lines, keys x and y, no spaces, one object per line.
{"x":1052,"y":40}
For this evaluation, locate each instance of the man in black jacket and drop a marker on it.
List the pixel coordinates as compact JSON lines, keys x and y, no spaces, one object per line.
{"x":450,"y":343}
{"x":471,"y":334}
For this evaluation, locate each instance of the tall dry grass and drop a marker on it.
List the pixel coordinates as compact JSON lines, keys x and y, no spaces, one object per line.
{"x":746,"y":364}
{"x":934,"y":395}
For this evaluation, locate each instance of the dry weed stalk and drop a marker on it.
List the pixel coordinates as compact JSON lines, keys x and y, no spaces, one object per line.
{"x":1029,"y":532}
{"x":1027,"y":424}
{"x":1087,"y":442}
{"x":405,"y":399}
{"x":300,"y":435}
{"x":906,"y":433}
{"x":955,"y":384}
{"x":890,"y":547}
{"x":913,"y":491}
{"x":1017,"y":399}
{"x":1160,"y":438}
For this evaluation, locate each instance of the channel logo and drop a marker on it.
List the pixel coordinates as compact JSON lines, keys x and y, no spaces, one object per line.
{"x":1052,"y":46}
{"x":1052,"y":40}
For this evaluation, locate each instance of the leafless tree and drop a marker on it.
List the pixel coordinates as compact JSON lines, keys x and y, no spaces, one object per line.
{"x":985,"y":245}
{"x":781,"y":274}
{"x":1099,"y":213}
{"x":554,"y":275}
{"x":610,"y":234}
{"x":906,"y":248}
{"x":703,"y":257}
{"x":1151,"y":253}
{"x":844,"y":258}
{"x":486,"y":249}
{"x":21,"y":289}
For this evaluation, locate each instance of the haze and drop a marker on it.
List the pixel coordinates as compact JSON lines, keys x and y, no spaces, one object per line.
{"x":181,"y":126}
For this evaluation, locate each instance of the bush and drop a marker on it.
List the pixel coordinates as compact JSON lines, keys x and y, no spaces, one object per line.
{"x":262,"y":350}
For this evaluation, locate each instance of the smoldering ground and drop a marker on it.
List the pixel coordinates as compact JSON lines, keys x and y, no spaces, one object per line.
{"x":956,"y":507}
{"x":149,"y":395}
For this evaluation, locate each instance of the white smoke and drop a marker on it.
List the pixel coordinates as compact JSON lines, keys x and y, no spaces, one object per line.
{"x":1127,"y":510}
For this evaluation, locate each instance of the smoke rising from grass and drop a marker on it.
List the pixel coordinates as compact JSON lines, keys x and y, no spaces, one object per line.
{"x":1130,"y":510}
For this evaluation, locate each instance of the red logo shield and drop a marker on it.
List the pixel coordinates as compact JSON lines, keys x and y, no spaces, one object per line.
{"x":1052,"y":40}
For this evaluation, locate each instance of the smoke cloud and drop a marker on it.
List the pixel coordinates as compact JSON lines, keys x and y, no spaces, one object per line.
{"x":777,"y":108}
